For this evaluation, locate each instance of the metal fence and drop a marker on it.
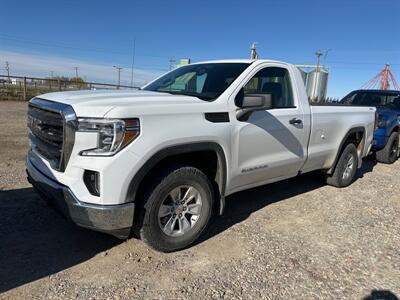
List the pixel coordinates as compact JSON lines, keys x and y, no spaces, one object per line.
{"x":25,"y":88}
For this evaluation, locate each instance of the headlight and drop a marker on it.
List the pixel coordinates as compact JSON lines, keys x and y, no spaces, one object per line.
{"x":113,"y":134}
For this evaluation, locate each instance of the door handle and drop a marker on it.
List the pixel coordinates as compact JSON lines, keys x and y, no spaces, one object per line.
{"x":295,"y":121}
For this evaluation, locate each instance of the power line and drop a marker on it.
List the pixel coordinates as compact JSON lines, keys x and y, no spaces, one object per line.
{"x":141,"y":66}
{"x":57,"y":44}
{"x":326,"y":53}
{"x":61,"y":45}
{"x":359,"y":63}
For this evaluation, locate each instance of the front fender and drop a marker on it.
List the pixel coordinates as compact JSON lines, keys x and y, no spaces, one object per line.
{"x":182,"y":149}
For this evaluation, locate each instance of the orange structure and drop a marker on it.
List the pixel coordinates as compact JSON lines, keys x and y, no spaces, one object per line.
{"x":385,"y":80}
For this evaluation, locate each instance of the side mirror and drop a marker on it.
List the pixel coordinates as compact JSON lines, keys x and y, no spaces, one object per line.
{"x":252,"y":102}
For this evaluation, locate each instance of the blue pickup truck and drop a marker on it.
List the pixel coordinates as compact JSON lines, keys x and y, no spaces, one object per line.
{"x":386,"y":136}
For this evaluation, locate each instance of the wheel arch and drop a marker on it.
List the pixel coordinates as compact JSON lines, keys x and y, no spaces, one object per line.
{"x":396,"y":128}
{"x":164,"y":154}
{"x":356,"y":134}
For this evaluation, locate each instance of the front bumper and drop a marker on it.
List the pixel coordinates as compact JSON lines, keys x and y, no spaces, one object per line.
{"x":113,"y":219}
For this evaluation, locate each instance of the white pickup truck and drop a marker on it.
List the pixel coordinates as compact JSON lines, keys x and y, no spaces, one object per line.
{"x":159,"y":161}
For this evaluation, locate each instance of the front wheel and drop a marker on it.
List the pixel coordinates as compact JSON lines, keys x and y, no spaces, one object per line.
{"x":389,"y":154}
{"x":178,"y":207}
{"x":345,"y":169}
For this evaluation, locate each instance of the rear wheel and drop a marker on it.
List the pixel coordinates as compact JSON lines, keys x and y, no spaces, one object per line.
{"x":178,"y":207}
{"x":345,"y":169}
{"x":389,"y":154}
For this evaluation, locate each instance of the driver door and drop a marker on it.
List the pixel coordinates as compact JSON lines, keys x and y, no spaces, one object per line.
{"x":271,"y":144}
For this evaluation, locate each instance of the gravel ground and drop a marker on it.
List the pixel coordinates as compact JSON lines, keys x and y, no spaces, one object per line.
{"x":295,"y":239}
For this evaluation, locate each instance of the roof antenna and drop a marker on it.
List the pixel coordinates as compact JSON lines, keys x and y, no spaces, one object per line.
{"x":253,"y":48}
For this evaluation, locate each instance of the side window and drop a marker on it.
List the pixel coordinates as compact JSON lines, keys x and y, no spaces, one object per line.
{"x":393,"y":101}
{"x":275,"y":81}
{"x":374,"y":99}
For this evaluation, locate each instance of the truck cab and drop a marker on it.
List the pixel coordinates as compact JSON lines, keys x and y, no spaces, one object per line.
{"x":386,"y":135}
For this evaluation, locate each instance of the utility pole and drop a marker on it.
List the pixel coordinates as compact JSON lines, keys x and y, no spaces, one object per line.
{"x":171,"y":63}
{"x":51,"y":74}
{"x":315,"y":94}
{"x":76,"y":73}
{"x":253,"y":53}
{"x":318,"y":54}
{"x":119,"y":75}
{"x":133,"y":60}
{"x":8,"y":71}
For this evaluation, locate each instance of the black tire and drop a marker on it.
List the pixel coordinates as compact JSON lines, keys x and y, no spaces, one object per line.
{"x":389,"y":154}
{"x":338,"y":177}
{"x":148,"y":224}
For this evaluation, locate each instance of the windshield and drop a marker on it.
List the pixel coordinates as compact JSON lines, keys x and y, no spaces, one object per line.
{"x":205,"y":81}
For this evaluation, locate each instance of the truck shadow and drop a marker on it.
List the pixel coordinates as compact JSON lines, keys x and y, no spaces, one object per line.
{"x":241,"y":205}
{"x":36,"y":242}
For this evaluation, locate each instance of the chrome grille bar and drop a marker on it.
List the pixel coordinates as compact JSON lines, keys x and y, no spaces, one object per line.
{"x":52,"y":128}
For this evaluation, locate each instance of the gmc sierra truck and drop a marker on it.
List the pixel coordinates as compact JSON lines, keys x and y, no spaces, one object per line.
{"x":386,"y":136}
{"x":158,"y":162}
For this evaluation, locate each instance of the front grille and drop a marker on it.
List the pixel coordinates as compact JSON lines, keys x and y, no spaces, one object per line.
{"x":51,"y":131}
{"x":46,"y":133}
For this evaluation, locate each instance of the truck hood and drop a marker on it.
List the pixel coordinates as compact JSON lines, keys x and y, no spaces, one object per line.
{"x":99,"y":103}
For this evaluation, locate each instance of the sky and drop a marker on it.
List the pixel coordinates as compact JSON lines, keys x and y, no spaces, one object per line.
{"x":39,"y":38}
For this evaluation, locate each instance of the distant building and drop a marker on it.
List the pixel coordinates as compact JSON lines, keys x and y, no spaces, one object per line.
{"x":183,"y":62}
